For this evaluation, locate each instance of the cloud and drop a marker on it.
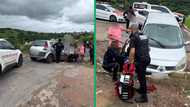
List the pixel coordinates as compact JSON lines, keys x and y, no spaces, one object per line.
{"x":47,"y":15}
{"x":38,"y":9}
{"x":81,"y":12}
{"x":50,"y":25}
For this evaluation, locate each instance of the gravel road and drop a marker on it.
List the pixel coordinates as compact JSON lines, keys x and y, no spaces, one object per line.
{"x":18,"y":85}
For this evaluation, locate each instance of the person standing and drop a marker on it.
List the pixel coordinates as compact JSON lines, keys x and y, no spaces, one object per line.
{"x":91,"y":52}
{"x":82,"y":52}
{"x":115,"y":33}
{"x":129,"y":15}
{"x":58,"y":49}
{"x":139,"y":57}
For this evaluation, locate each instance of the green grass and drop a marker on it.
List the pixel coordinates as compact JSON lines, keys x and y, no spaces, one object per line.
{"x":187,"y":22}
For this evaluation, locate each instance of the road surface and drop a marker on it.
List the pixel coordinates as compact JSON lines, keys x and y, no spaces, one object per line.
{"x":18,"y":85}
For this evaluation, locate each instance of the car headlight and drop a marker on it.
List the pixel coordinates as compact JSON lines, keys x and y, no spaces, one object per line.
{"x":181,"y":64}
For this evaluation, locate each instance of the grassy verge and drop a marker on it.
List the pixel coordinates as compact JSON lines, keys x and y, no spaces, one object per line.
{"x":187,"y":22}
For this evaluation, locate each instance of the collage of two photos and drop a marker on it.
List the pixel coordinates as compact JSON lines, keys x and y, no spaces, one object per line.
{"x":46,"y":53}
{"x":142,"y":53}
{"x":94,"y":53}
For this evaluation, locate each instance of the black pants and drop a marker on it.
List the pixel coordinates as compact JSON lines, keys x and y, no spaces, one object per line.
{"x":58,"y":54}
{"x":112,"y":68}
{"x":141,"y":72}
{"x":127,"y":23}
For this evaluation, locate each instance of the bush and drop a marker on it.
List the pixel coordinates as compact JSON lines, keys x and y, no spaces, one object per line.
{"x":187,"y":22}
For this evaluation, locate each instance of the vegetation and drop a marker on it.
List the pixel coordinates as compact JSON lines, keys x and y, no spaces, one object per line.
{"x":182,"y":6}
{"x":187,"y":22}
{"x":22,"y":39}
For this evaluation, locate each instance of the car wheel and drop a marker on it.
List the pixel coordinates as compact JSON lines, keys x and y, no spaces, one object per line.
{"x":49,"y":59}
{"x":1,"y":70}
{"x":20,"y":61}
{"x":113,"y":18}
{"x":33,"y":59}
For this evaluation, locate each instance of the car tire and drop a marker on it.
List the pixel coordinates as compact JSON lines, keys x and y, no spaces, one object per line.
{"x":33,"y":59}
{"x":49,"y":59}
{"x":1,"y":72}
{"x":113,"y":18}
{"x":20,"y":61}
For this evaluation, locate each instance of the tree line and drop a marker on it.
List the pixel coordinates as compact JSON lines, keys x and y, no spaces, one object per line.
{"x":19,"y":38}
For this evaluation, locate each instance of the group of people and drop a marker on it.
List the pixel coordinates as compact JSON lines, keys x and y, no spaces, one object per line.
{"x":87,"y":49}
{"x":79,"y":52}
{"x":137,"y":52}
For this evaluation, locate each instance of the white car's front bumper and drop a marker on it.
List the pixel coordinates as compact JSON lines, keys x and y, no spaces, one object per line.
{"x":156,"y":70}
{"x":120,"y":19}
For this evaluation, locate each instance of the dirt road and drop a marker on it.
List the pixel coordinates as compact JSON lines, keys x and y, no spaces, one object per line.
{"x":171,"y":92}
{"x":70,"y":81}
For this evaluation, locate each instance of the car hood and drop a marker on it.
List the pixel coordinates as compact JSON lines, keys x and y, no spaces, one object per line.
{"x":166,"y":57}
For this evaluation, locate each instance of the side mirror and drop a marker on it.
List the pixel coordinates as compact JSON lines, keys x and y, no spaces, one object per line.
{"x":187,"y":43}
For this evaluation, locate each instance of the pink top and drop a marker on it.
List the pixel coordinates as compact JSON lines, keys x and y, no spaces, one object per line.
{"x":115,"y":32}
{"x":82,"y":49}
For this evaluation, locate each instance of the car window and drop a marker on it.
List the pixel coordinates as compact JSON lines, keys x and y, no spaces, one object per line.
{"x":144,"y":13}
{"x":38,"y":43}
{"x":162,"y":9}
{"x":6,"y":45}
{"x":101,"y":7}
{"x":140,"y":6}
{"x":167,"y":35}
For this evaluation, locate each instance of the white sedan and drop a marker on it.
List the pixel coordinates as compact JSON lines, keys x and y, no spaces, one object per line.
{"x":107,"y":12}
{"x":9,"y":56}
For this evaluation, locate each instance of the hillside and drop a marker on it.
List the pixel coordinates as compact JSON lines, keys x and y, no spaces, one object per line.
{"x":19,"y":37}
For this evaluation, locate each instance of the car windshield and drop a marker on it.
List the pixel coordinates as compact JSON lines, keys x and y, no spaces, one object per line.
{"x":164,"y":36}
{"x":162,"y":9}
{"x":38,"y":43}
{"x":5,"y":45}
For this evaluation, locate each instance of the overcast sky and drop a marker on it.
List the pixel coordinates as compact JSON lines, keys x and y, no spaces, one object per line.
{"x":47,"y":15}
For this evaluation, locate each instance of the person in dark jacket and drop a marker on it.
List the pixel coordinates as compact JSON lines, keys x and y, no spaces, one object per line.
{"x":138,"y":51}
{"x":58,"y":49}
{"x":91,"y":52}
{"x":128,"y":15}
{"x":112,"y":59}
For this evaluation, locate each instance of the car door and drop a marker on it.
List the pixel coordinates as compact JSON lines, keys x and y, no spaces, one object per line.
{"x":107,"y":13}
{"x":8,"y":53}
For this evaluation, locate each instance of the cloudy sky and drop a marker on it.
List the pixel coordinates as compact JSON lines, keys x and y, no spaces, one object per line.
{"x":47,"y":15}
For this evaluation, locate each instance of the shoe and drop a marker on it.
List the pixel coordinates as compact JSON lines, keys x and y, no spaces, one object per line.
{"x":142,"y":99}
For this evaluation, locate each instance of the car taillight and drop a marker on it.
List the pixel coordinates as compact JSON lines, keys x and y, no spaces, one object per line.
{"x":45,"y":45}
